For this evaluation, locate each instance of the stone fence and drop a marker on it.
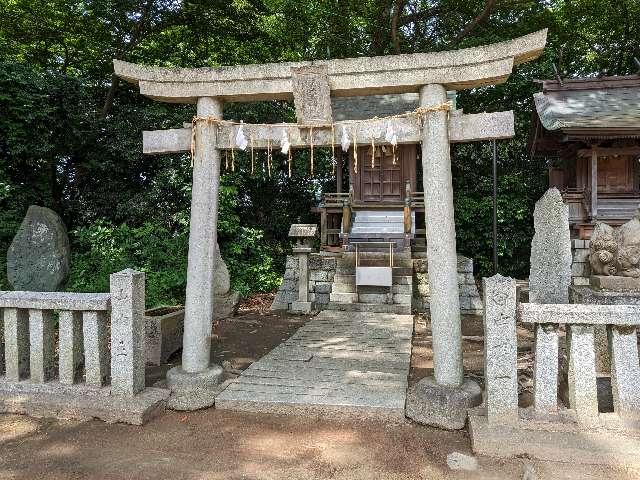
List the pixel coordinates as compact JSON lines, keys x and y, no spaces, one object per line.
{"x":549,"y":430}
{"x":93,"y":367}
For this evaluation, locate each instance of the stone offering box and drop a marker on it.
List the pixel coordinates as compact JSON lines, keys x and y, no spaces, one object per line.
{"x":164,"y":327}
{"x":92,"y":367}
{"x":549,"y":430}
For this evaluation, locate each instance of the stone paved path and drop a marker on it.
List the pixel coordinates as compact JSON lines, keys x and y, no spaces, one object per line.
{"x":347,"y":364}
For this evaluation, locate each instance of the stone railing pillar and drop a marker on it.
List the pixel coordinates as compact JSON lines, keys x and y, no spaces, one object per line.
{"x":193,"y":384}
{"x":305,"y":234}
{"x":127,"y":335}
{"x":501,"y":349}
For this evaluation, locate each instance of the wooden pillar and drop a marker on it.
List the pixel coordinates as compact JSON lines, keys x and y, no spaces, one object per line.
{"x":594,"y":184}
{"x":339,"y":163}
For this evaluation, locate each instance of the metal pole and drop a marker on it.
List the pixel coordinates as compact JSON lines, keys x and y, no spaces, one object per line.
{"x":495,"y":208}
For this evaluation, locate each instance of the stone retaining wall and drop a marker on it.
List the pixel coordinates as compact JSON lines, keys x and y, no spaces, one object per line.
{"x":322,"y":268}
{"x":580,"y":268}
{"x":470,"y":301}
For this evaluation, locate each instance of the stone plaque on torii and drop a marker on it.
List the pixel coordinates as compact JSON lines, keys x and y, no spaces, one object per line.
{"x":310,"y":85}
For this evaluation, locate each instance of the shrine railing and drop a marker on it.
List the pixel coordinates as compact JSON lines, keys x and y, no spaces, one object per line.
{"x":93,"y":367}
{"x":549,"y":321}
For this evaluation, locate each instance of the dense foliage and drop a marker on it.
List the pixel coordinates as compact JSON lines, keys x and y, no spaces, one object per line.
{"x":70,"y":133}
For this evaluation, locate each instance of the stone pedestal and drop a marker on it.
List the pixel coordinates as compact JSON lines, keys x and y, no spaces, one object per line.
{"x":193,"y":384}
{"x":440,"y":406}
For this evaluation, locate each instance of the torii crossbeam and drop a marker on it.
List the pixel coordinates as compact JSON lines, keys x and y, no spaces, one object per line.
{"x":310,"y":85}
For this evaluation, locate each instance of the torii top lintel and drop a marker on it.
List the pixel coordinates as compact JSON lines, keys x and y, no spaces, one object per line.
{"x":454,"y":69}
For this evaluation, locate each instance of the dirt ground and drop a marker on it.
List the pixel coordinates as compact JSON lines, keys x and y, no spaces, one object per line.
{"x":214,"y":444}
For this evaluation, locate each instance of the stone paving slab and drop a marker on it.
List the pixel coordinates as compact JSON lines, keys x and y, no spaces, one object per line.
{"x":350,"y":364}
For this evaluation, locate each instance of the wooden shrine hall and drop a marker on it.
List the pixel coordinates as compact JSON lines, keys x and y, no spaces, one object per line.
{"x":588,"y":129}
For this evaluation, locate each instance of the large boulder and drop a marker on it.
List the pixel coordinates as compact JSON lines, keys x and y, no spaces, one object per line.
{"x":38,"y":257}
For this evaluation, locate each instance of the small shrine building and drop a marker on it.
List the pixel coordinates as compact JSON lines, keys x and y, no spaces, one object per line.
{"x":588,"y":129}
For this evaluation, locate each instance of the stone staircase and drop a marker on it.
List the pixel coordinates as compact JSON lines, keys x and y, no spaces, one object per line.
{"x":344,"y":296}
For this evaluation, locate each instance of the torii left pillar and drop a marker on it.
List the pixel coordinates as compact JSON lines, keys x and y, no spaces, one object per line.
{"x":194,"y":384}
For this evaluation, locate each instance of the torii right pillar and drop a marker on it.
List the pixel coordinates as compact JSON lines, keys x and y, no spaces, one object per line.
{"x":441,"y":400}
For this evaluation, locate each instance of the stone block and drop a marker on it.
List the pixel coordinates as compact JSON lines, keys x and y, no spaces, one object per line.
{"x":614,"y":283}
{"x":127,"y":332}
{"x":311,"y":94}
{"x":16,"y":337}
{"x":163,"y":334}
{"x":41,"y":345}
{"x":55,"y":300}
{"x":476,"y":304}
{"x":545,"y":369}
{"x":322,"y":298}
{"x":581,"y":374}
{"x":576,"y":313}
{"x":577,"y":243}
{"x":301,"y":307}
{"x":501,"y":349}
{"x":465,"y":264}
{"x":70,"y":346}
{"x":225,"y":306}
{"x":323,"y":287}
{"x":289,"y":284}
{"x":587,"y":244}
{"x":465,"y":303}
{"x":580,"y":255}
{"x":625,"y":371}
{"x":580,"y":281}
{"x":321,"y":276}
{"x":328,"y":263}
{"x":291,"y":274}
{"x":551,"y":257}
{"x":444,"y":407}
{"x":292,"y":262}
{"x":577,"y":269}
{"x":96,"y":338}
{"x":315,"y":262}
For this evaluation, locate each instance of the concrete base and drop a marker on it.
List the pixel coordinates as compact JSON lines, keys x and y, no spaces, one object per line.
{"x":555,"y":441}
{"x":82,"y":402}
{"x":301,"y":307}
{"x":444,"y":407}
{"x":616,"y":284}
{"x":193,"y":391}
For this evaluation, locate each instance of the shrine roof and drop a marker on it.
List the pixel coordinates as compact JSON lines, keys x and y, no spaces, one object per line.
{"x":611,"y":103}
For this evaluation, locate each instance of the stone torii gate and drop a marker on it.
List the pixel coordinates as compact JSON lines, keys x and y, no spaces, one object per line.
{"x":310,"y":85}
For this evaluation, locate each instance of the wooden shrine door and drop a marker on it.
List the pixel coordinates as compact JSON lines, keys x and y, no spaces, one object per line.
{"x":615,"y":174}
{"x":381,"y":180}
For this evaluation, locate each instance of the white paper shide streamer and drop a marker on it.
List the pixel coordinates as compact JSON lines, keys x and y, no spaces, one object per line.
{"x":391,"y":136}
{"x":241,"y":141}
{"x":345,"y":142}
{"x":284,"y":141}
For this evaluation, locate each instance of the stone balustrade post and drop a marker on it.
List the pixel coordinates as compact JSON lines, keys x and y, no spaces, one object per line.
{"x":193,"y":384}
{"x":501,"y":349}
{"x":127,"y":332}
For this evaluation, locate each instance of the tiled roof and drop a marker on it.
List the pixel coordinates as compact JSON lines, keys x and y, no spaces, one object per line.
{"x":609,"y":104}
